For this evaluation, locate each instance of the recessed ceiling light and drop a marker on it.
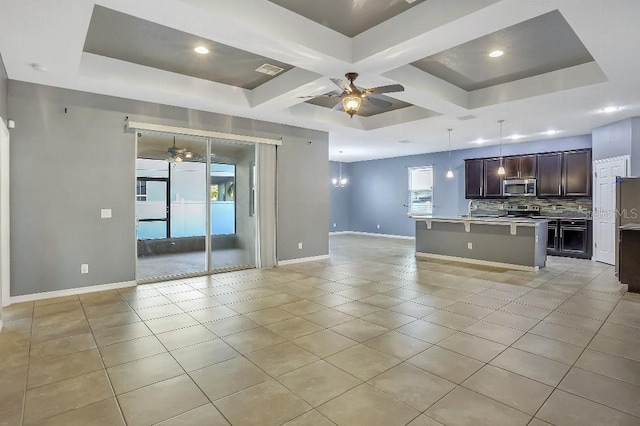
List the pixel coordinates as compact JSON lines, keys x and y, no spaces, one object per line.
{"x":515,"y":137}
{"x":479,"y":141}
{"x":404,"y":141}
{"x":610,"y":109}
{"x":551,"y":132}
{"x":201,"y":50}
{"x":496,"y":53}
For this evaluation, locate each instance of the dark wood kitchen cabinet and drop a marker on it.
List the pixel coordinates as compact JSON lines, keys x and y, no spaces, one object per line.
{"x":474,"y":178}
{"x":577,"y":173}
{"x":550,"y":174}
{"x":492,"y":180}
{"x":520,"y":167}
{"x":558,"y":174}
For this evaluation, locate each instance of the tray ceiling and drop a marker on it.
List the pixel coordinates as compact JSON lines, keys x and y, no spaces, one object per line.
{"x":348,"y":17}
{"x":537,"y":46}
{"x":564,"y":61}
{"x":124,"y":37}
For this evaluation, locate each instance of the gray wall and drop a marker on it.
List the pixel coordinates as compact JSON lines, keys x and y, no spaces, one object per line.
{"x":612,"y":140}
{"x":378,"y":188}
{"x":635,"y":146}
{"x":618,"y":139}
{"x":3,"y":91}
{"x":67,"y":166}
{"x":339,"y":199}
{"x":303,"y":195}
{"x":3,"y":116}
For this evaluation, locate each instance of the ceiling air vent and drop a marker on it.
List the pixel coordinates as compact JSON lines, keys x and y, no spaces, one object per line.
{"x":467,"y":117}
{"x":269,"y":69}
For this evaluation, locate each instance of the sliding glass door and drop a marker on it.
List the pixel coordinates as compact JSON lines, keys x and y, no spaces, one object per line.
{"x":193,"y":200}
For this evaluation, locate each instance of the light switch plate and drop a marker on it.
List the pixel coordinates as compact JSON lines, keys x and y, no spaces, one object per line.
{"x":105,"y":213}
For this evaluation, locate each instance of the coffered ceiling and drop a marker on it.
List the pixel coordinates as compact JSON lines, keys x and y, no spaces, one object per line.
{"x":563,"y":62}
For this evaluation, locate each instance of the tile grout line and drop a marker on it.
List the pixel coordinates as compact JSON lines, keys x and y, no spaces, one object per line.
{"x":574,"y":363}
{"x":26,"y":379}
{"x":113,"y":392}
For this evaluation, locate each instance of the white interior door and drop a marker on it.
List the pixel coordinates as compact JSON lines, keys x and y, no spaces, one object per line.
{"x":5,"y":275}
{"x":604,"y":207}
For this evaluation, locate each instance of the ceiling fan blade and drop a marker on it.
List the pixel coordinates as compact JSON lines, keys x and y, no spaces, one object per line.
{"x":338,"y":107}
{"x":328,"y":95}
{"x":387,"y":89}
{"x":380,"y":103}
{"x":341,"y":84}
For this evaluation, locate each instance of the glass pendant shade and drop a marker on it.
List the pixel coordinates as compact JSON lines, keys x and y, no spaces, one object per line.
{"x":449,"y":172}
{"x":501,"y":171}
{"x":351,"y":104}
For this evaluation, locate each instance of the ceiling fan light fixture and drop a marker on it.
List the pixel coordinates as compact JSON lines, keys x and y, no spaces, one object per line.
{"x":351,"y":104}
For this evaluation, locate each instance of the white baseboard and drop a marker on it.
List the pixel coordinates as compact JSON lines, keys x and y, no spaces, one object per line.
{"x":71,"y":291}
{"x":302,"y":260}
{"x":339,"y":232}
{"x":479,"y":262}
{"x":373,"y":234}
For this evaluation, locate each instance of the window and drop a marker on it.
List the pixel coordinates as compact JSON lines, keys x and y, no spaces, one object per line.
{"x":421,"y":190}
{"x":141,"y":191}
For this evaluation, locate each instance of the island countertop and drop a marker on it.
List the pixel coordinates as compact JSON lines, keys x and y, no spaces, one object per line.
{"x":506,"y":242}
{"x":520,"y":221}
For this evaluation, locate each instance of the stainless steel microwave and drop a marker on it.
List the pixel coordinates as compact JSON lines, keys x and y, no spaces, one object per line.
{"x":519,"y":188}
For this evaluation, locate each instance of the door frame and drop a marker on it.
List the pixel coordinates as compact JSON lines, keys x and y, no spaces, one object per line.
{"x":5,"y":211}
{"x":627,"y":167}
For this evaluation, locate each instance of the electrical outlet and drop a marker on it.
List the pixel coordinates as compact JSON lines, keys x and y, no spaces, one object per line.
{"x":299,"y":246}
{"x":470,"y":246}
{"x":378,"y":226}
{"x":105,"y":213}
{"x":335,"y":224}
{"x":84,"y":268}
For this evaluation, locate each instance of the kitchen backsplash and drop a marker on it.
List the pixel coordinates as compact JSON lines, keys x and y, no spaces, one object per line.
{"x":568,"y":207}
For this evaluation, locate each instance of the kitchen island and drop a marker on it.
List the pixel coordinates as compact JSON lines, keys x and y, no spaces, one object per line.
{"x":513,"y":243}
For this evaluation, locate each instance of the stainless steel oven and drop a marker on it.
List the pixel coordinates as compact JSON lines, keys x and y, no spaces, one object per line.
{"x":519,"y":188}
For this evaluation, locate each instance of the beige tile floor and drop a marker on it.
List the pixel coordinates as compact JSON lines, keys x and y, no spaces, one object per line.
{"x":370,"y":337}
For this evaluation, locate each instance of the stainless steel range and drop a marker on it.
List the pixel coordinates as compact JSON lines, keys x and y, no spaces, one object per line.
{"x":523,"y":210}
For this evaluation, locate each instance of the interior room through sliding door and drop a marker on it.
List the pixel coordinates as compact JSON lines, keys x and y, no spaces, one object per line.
{"x":171,"y":206}
{"x":232,"y":196}
{"x":195,"y":206}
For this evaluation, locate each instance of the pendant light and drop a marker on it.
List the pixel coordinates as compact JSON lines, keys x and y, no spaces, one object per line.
{"x":449,"y":172}
{"x":339,"y":182}
{"x":501,"y":170}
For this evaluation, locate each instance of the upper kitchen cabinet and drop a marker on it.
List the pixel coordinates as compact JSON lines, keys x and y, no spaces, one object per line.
{"x":577,"y":173}
{"x":492,"y":180}
{"x":558,"y":174}
{"x":550,"y":174}
{"x":520,"y":167}
{"x":474,"y":178}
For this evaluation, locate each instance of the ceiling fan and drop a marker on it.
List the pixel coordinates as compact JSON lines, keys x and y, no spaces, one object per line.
{"x":178,"y":155}
{"x":352,"y":96}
